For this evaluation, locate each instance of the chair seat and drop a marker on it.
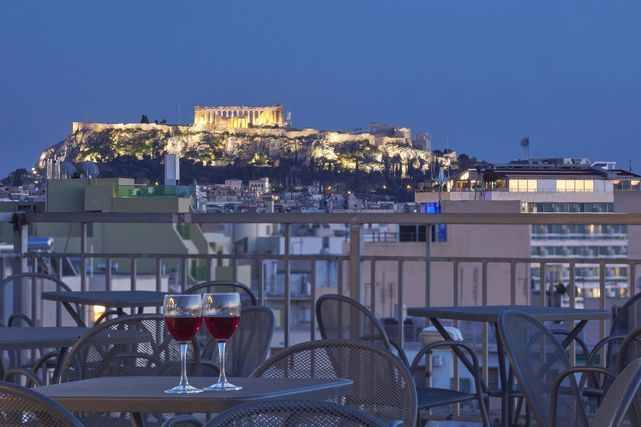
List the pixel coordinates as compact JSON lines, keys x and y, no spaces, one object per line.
{"x":431,"y":397}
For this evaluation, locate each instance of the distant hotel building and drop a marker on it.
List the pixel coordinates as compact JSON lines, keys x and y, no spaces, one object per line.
{"x":555,"y":186}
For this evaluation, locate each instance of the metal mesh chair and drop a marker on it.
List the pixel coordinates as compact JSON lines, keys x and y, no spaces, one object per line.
{"x":383,"y":385}
{"x":627,"y":318}
{"x":546,"y":377}
{"x":247,"y":296}
{"x":629,"y":352}
{"x":24,"y":407}
{"x":430,"y":397}
{"x":622,"y":398}
{"x":137,"y":345}
{"x":341,"y":317}
{"x":35,"y":310}
{"x":249,"y":345}
{"x":292,"y":413}
{"x":537,"y":359}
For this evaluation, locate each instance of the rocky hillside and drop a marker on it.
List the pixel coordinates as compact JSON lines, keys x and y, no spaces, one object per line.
{"x":321,"y":150}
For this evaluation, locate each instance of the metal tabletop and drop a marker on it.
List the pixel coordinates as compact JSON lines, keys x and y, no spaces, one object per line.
{"x":490,"y":313}
{"x":145,"y":394}
{"x":114,"y":299}
{"x":39,"y":337}
{"x":110,"y":299}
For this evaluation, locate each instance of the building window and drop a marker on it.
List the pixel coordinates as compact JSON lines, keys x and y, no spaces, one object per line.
{"x":575,"y":185}
{"x":523,"y":185}
{"x":439,"y":233}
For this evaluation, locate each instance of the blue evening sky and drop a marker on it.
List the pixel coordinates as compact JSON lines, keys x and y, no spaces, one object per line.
{"x":481,"y":74}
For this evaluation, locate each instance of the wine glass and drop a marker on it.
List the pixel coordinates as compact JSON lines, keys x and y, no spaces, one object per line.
{"x":183,"y":316}
{"x":221,"y":311}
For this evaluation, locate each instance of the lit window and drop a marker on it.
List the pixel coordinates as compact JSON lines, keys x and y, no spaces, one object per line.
{"x":523,"y":185}
{"x":589,"y":186}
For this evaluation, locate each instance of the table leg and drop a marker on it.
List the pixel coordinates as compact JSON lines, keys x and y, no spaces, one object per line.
{"x":574,"y":333}
{"x":503,"y":378}
{"x":74,"y":314}
{"x":56,"y":370}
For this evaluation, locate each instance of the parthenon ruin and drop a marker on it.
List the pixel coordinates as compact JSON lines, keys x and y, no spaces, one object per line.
{"x":239,"y":116}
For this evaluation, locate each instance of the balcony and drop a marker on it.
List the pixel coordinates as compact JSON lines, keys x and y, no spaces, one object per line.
{"x":485,"y":260}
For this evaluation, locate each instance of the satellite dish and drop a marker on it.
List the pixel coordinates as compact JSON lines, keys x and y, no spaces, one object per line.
{"x":68,"y":169}
{"x":90,"y":169}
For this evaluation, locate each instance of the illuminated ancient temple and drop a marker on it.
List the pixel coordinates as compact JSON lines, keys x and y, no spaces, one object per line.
{"x":240,"y":116}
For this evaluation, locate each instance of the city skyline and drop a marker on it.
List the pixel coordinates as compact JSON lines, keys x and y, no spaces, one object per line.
{"x":478,"y":77}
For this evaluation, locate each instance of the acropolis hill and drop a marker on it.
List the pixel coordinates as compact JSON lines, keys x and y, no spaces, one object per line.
{"x":258,"y":136}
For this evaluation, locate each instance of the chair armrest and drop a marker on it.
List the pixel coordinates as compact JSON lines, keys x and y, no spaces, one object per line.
{"x":32,"y":379}
{"x":182,"y":421}
{"x":16,"y":317}
{"x":601,"y":344}
{"x":559,"y":379}
{"x":400,"y":351}
{"x":44,"y":359}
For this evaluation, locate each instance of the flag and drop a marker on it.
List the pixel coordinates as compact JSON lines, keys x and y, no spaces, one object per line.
{"x":525,"y":142}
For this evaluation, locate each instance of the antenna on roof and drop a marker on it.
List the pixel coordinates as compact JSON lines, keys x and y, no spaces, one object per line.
{"x":630,"y":165}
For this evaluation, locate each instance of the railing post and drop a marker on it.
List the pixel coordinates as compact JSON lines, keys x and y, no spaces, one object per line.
{"x":355,"y":282}
{"x":287,"y":299}
{"x":83,"y":259}
{"x":20,"y":238}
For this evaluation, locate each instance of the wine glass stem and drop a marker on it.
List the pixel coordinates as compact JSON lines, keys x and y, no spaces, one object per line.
{"x":183,"y":364}
{"x":222,"y":378}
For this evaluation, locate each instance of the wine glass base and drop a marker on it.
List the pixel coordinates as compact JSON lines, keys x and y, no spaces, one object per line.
{"x":186,"y":388}
{"x":226,"y":386}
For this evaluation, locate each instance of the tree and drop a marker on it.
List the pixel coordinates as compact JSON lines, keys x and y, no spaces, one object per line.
{"x":17,"y":177}
{"x":144,"y":119}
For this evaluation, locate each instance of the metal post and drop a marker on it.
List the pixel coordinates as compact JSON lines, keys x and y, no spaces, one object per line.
{"x":83,"y":259}
{"x":20,"y":237}
{"x":287,"y":299}
{"x":355,"y":283}
{"x":132,"y":274}
{"x":312,"y":300}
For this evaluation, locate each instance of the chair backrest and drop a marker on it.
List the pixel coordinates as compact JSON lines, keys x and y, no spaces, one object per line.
{"x":383,"y":385}
{"x":20,"y":406}
{"x":537,"y":358}
{"x":292,"y":413}
{"x":247,"y":296}
{"x":630,"y":352}
{"x":34,"y":310}
{"x":128,"y":345}
{"x":622,"y":395}
{"x":627,"y":319}
{"x":341,"y":317}
{"x":249,"y":345}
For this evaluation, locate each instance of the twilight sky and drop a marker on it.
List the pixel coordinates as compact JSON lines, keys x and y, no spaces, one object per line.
{"x":481,"y":74}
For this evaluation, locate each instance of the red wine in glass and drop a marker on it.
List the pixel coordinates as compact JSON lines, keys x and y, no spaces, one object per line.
{"x":221,"y":327}
{"x":221,"y":311}
{"x":183,"y":316}
{"x":183,"y":329}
